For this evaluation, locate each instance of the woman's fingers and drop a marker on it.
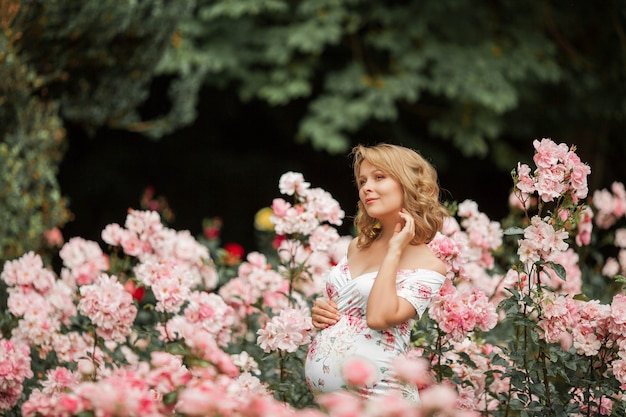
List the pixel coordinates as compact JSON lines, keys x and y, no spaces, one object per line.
{"x":324,"y":314}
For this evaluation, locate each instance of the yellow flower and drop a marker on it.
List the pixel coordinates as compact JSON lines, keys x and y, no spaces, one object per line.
{"x":262,"y":220}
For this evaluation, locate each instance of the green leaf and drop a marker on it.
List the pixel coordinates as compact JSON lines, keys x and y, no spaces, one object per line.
{"x":170,"y":398}
{"x":512,"y":231}
{"x":558,"y":269}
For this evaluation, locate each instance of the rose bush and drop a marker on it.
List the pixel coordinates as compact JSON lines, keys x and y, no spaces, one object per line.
{"x":156,"y":322}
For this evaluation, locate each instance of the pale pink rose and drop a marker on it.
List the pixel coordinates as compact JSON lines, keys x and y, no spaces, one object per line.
{"x":342,"y":404}
{"x":246,"y":362}
{"x":578,"y":175}
{"x":565,"y":339}
{"x":210,"y":312}
{"x":168,"y":372}
{"x":521,"y":201}
{"x":325,"y":207}
{"x":453,"y":251}
{"x":109,"y":306}
{"x":529,"y":251}
{"x":70,"y":404}
{"x":248,"y":385}
{"x":170,"y":292}
{"x":123,"y":390}
{"x":132,"y":245}
{"x":58,"y":379}
{"x":618,"y":309}
{"x":391,"y":404}
{"x":293,"y":252}
{"x":53,"y":237}
{"x":415,"y":371}
{"x":610,"y":205}
{"x":171,"y":281}
{"x":291,"y":183}
{"x":603,"y":202}
{"x":14,"y":369}
{"x":28,"y":270}
{"x":21,"y":299}
{"x":450,"y":226}
{"x":86,"y":367}
{"x":254,"y":261}
{"x":569,"y":261}
{"x":83,"y":261}
{"x":339,"y":249}
{"x":585,"y":227}
{"x":324,"y":237}
{"x":359,"y":372}
{"x":294,"y":220}
{"x":586,"y":343}
{"x":203,"y":344}
{"x":143,"y":223}
{"x":113,"y":234}
{"x":619,"y":370}
{"x":438,"y":397}
{"x":240,"y":296}
{"x":525,"y":182}
{"x":458,"y":313}
{"x":74,"y":345}
{"x":37,"y":404}
{"x":620,"y":238}
{"x":286,"y":331}
{"x":619,"y":205}
{"x":267,"y":406}
{"x":548,"y":153}
{"x":200,"y":399}
{"x":611,"y":267}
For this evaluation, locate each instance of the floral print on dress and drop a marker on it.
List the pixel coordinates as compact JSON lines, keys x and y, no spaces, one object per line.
{"x":351,"y":336}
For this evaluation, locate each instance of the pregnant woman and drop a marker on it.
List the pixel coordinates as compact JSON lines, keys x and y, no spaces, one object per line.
{"x":388,"y":276}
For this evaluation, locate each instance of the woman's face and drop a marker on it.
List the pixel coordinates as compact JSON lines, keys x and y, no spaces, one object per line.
{"x":380,"y":194}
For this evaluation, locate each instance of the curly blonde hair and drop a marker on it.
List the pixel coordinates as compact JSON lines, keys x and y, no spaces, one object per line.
{"x":419,"y":183}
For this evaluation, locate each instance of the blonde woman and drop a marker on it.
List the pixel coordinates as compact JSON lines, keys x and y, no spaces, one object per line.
{"x":388,"y":276}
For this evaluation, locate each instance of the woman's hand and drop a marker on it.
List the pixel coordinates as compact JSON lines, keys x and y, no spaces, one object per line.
{"x":324,"y":314}
{"x":403,"y":233}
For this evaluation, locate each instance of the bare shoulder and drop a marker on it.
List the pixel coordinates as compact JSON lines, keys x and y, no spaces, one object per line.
{"x":352,"y":247}
{"x":421,"y":257}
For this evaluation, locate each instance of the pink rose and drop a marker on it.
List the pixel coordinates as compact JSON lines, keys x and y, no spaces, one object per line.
{"x":359,"y":372}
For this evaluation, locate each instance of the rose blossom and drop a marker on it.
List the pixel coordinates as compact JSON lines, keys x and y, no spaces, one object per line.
{"x":109,"y":306}
{"x":359,"y":372}
{"x":83,"y":261}
{"x":291,"y":183}
{"x":14,"y":369}
{"x":286,"y":331}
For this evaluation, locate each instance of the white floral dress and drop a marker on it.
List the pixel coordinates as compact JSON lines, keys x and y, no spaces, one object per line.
{"x":351,"y":337}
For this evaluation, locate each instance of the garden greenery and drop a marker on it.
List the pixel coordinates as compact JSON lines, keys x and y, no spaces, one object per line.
{"x":532,"y":320}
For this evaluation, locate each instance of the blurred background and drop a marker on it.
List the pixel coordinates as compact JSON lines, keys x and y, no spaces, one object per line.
{"x":197,"y":107}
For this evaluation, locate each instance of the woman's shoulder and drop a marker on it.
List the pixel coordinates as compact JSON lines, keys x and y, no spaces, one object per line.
{"x":422,"y":257}
{"x":352,"y":247}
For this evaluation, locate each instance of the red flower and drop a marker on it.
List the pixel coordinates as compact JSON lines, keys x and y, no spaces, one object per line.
{"x":234,"y":253}
{"x":134,"y":290}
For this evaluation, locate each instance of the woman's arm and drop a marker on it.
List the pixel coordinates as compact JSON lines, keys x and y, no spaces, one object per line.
{"x":384,"y":308}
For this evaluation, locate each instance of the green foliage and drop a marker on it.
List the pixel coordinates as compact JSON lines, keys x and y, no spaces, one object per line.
{"x":98,"y":57}
{"x":90,"y":63}
{"x":471,"y":73}
{"x":31,"y":148}
{"x":482,"y":76}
